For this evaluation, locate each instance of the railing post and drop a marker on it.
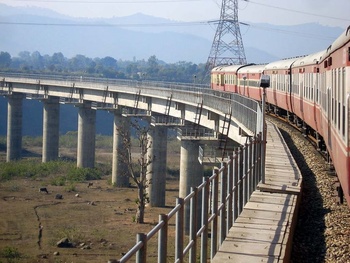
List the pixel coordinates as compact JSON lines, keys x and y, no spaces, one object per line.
{"x":179,"y":243}
{"x":235,"y":185}
{"x":255,"y":163}
{"x":259,"y":157}
{"x":193,"y":225}
{"x":141,"y":255}
{"x":223,"y":194}
{"x":214,"y":222}
{"x":205,"y":211}
{"x":230,"y":193}
{"x":246,"y":174}
{"x":163,"y":239}
{"x":240,"y":179}
{"x":251,"y":167}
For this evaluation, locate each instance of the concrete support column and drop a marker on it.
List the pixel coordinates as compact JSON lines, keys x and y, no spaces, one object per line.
{"x":86,"y":136}
{"x":156,"y":171}
{"x":51,"y":118}
{"x":120,"y":173}
{"x":191,"y":175}
{"x":14,"y":126}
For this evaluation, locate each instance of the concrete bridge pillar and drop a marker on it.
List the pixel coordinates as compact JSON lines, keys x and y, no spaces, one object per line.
{"x":51,"y":117}
{"x":156,"y":171}
{"x":120,"y":173}
{"x":191,"y":175}
{"x":14,"y":126}
{"x":86,"y":136}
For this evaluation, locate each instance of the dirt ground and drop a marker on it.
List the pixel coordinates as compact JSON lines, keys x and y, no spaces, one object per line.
{"x":98,"y":220}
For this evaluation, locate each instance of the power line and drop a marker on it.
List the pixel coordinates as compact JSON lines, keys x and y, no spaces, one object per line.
{"x":105,"y":25}
{"x":297,"y":11}
{"x":108,"y":2}
{"x":308,"y":35}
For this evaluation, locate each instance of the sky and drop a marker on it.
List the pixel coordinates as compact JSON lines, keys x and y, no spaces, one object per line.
{"x":278,"y":12}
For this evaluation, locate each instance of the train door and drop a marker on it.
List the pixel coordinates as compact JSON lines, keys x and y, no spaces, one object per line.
{"x":346,"y":119}
{"x":287,"y":91}
{"x":301,"y":93}
{"x":315,"y":100}
{"x":329,"y":117}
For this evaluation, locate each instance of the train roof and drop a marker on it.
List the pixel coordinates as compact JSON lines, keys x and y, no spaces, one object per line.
{"x":339,"y":42}
{"x":311,"y":59}
{"x":281,"y":64}
{"x":252,"y":69}
{"x":240,"y":68}
{"x":226,"y":68}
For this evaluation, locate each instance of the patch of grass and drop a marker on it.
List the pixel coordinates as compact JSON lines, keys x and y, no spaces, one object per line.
{"x":32,"y":141}
{"x":76,"y":175}
{"x":71,"y":187}
{"x":58,"y":181}
{"x":72,"y":233}
{"x":32,"y":169}
{"x":15,"y":187}
{"x":69,"y":140}
{"x":10,"y":253}
{"x":99,"y":233}
{"x":61,"y":171}
{"x":83,"y":174}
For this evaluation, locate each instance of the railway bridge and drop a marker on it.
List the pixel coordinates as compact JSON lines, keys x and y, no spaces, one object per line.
{"x":203,"y":118}
{"x":200,"y":114}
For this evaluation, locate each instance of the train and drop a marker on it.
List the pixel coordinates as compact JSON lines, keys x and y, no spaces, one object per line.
{"x":311,"y":92}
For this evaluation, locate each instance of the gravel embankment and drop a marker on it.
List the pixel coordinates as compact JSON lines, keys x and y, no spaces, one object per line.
{"x":323,"y":228}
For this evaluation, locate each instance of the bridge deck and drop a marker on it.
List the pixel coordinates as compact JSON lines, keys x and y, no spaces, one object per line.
{"x":263,"y":232}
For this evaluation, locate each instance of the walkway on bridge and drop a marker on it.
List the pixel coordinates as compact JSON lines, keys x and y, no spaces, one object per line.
{"x":264,"y":230}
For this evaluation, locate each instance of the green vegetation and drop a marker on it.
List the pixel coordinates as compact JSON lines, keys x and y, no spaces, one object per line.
{"x":31,"y":168}
{"x":69,"y":140}
{"x":63,"y":173}
{"x":107,"y":67}
{"x":73,"y":234}
{"x":10,"y":253}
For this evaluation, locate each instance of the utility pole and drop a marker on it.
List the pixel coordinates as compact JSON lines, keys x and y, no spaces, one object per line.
{"x":227,"y":47}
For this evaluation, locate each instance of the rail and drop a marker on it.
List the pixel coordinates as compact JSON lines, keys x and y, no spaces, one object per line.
{"x":245,"y":111}
{"x":224,"y":195}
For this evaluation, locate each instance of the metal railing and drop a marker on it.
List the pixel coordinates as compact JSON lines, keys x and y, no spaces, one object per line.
{"x":245,"y":111}
{"x":224,"y":195}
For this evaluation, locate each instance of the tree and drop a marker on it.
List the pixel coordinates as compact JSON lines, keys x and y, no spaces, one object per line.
{"x":137,"y":170}
{"x":153,"y":66}
{"x":80,"y":63}
{"x":5,"y":59}
{"x":37,"y":60}
{"x":109,"y":62}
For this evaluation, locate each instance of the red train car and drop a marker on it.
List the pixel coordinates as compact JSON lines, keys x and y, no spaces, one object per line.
{"x":311,"y":91}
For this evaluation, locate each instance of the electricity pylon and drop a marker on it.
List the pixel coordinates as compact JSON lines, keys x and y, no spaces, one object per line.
{"x":227,"y":47}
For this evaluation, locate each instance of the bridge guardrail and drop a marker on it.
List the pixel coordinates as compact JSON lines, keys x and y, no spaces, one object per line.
{"x":224,"y":195}
{"x":245,"y":111}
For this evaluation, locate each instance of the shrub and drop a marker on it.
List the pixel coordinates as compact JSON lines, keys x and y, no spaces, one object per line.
{"x":58,"y":181}
{"x":10,"y":253}
{"x":70,"y":187}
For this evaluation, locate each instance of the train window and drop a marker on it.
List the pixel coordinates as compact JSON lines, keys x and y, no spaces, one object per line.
{"x":330,"y":61}
{"x":325,"y":64}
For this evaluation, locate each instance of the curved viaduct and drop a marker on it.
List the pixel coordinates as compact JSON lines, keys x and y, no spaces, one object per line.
{"x":200,"y":114}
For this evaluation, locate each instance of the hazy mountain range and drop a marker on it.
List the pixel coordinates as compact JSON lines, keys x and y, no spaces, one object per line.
{"x":137,"y":37}
{"x":140,"y":36}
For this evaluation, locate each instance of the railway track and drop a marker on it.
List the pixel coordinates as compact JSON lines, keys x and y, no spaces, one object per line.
{"x":323,"y":228}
